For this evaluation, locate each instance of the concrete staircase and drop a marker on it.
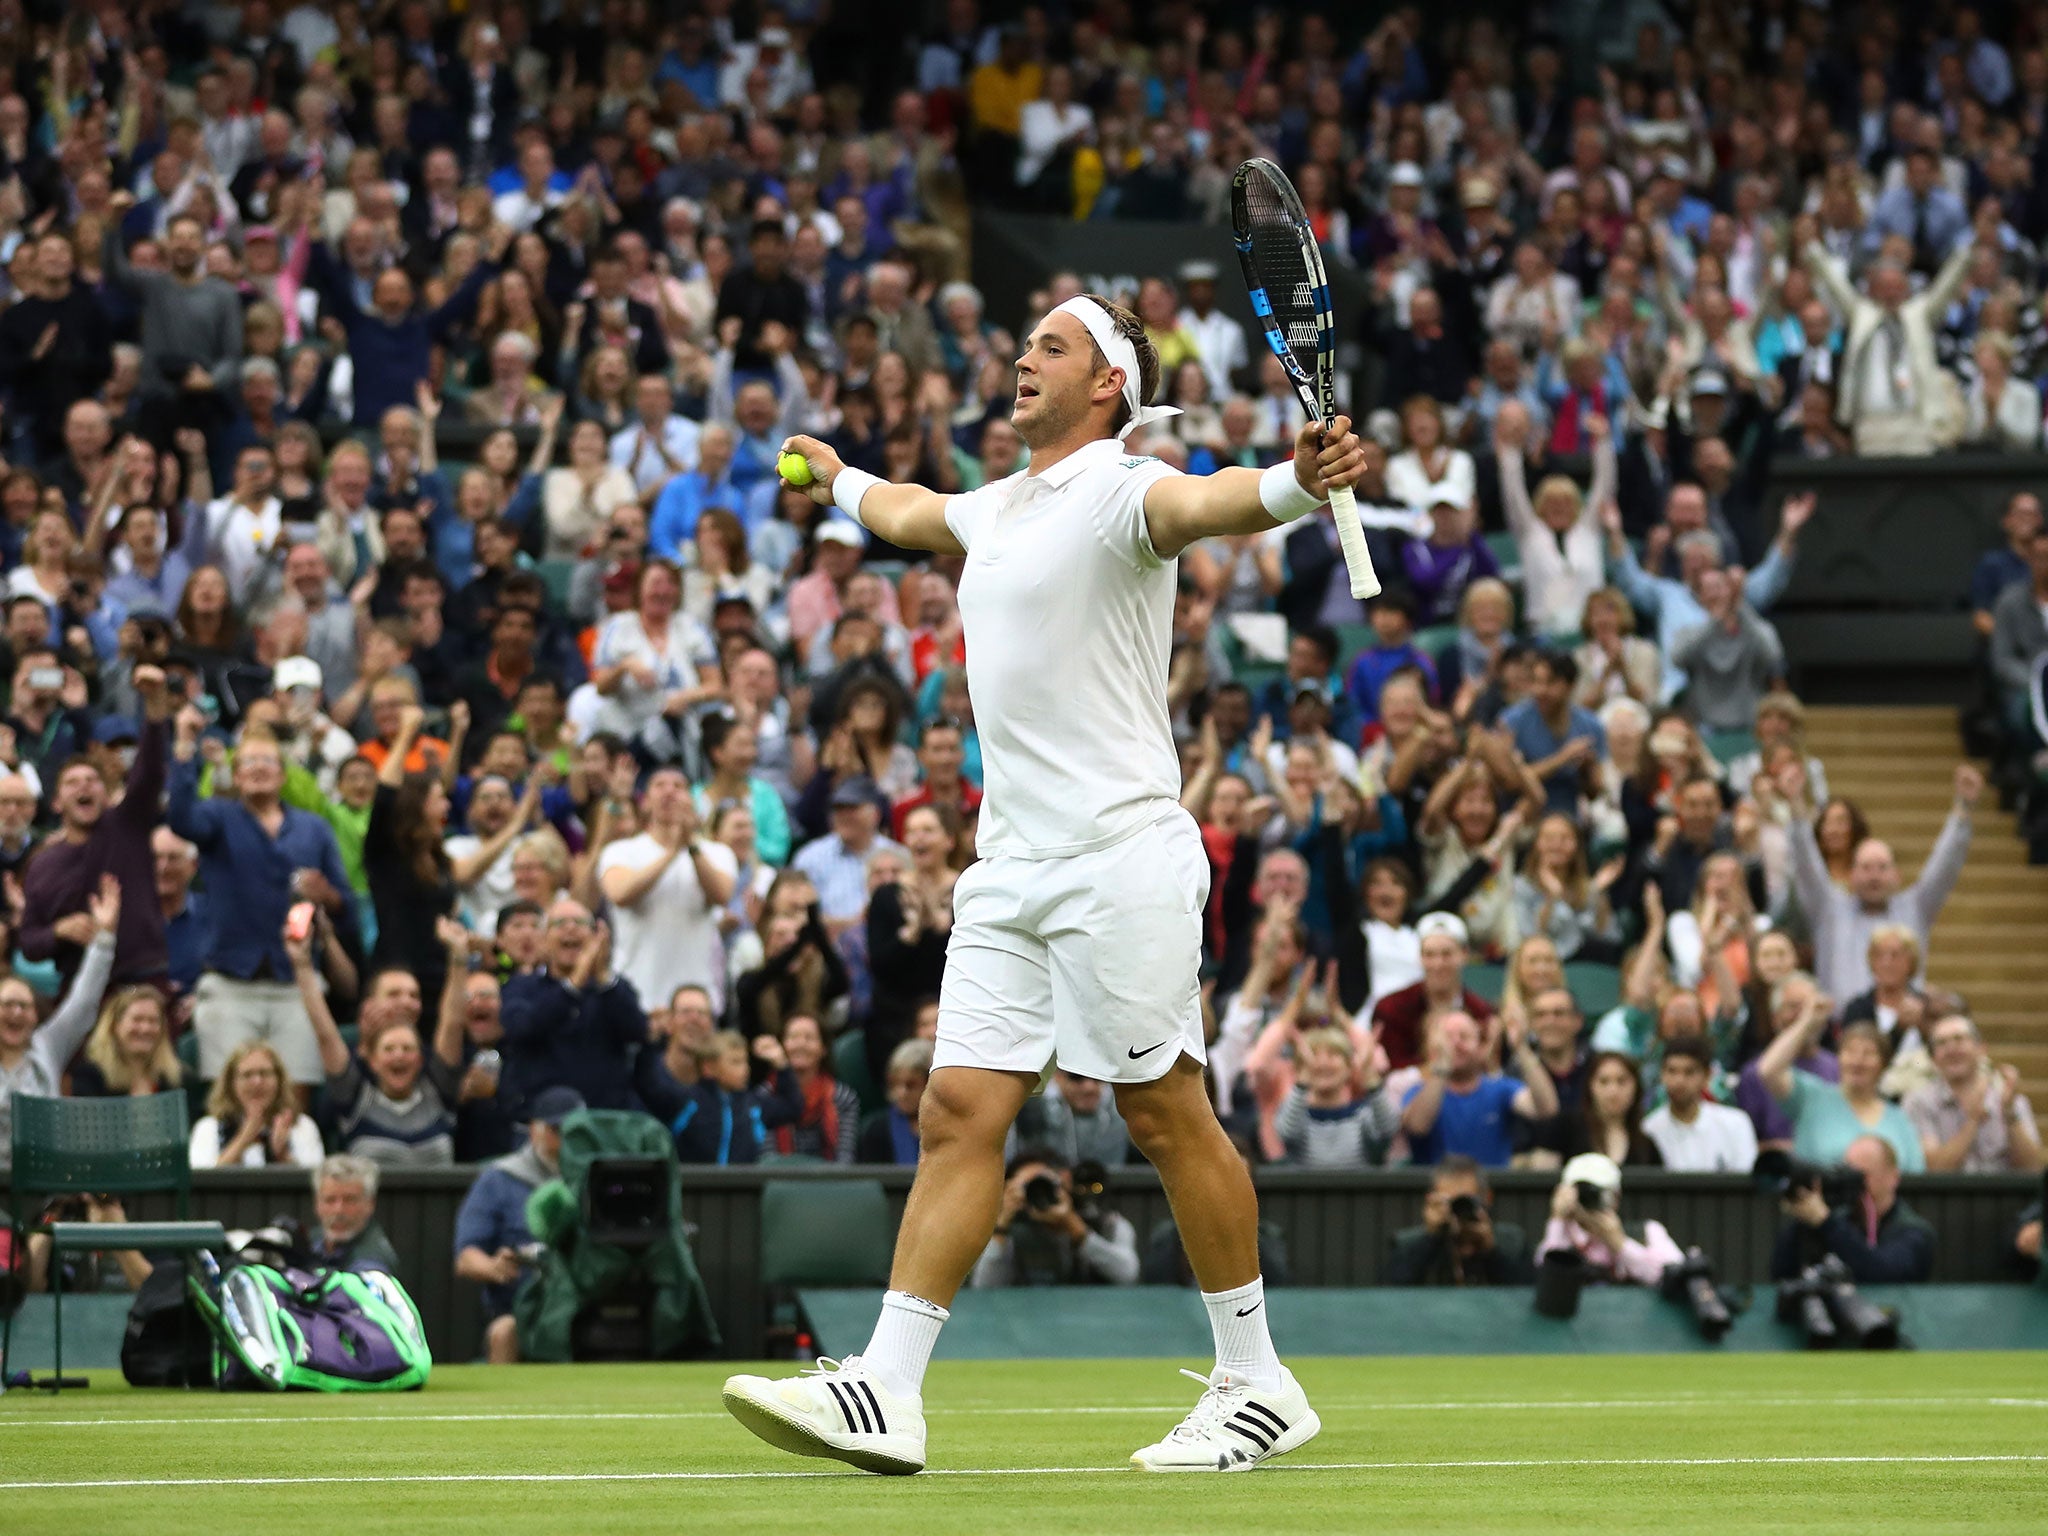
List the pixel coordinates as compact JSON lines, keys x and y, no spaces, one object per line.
{"x":1991,"y":943}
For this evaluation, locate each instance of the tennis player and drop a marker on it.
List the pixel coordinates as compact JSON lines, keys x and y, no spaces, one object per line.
{"x":1077,"y":935}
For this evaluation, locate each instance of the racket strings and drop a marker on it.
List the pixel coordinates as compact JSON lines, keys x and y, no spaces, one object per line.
{"x":1277,"y":257}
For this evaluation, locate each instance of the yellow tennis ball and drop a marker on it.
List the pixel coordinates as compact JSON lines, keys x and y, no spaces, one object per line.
{"x":794,"y":468}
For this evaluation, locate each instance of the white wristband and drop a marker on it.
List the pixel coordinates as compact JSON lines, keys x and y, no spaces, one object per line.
{"x":1282,"y":496}
{"x":848,"y":486}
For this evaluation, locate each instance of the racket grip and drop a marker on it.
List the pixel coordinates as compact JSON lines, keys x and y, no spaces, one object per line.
{"x":1365,"y":581}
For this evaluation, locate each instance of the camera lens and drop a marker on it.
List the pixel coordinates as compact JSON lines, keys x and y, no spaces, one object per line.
{"x":1464,"y":1208}
{"x":1041,"y":1192}
{"x":1591,"y":1196}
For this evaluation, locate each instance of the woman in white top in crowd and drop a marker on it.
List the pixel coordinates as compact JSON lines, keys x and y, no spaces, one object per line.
{"x":31,"y":1059}
{"x":1614,"y":661}
{"x":720,"y":567}
{"x":1392,"y":946}
{"x":1564,"y":554}
{"x":1780,"y":722}
{"x":2000,"y":411}
{"x":1558,"y":896}
{"x":1534,"y":305}
{"x":577,"y":498}
{"x":1429,"y":469}
{"x":252,"y":1119}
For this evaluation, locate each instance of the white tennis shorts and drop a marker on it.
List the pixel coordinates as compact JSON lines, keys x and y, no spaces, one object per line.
{"x":1092,"y":960}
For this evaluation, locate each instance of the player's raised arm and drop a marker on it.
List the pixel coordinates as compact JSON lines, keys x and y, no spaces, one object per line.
{"x":907,"y":515}
{"x":1184,"y":509}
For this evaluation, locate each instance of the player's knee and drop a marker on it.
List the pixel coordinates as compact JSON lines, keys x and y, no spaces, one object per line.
{"x":954,"y":1113}
{"x":1151,"y":1132}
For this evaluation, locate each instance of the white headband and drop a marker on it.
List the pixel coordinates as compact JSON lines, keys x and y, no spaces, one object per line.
{"x":1121,"y":354}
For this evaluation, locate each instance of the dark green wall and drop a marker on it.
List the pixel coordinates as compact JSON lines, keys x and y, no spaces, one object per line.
{"x":1336,"y":1225}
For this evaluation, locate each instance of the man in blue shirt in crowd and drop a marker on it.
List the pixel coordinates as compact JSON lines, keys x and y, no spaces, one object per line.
{"x":2007,"y":565}
{"x":492,"y":1241}
{"x":1557,"y":739}
{"x":1461,"y":1107}
{"x":258,"y":857}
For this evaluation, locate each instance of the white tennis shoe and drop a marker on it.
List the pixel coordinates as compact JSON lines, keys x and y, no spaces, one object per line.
{"x":838,"y":1410}
{"x":1234,"y":1427}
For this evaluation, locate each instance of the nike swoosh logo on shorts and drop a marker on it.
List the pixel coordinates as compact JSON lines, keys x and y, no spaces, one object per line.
{"x":1134,"y":1055}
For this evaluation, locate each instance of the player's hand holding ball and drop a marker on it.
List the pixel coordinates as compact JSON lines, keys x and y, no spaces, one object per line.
{"x":809,"y":466}
{"x":1324,"y":461}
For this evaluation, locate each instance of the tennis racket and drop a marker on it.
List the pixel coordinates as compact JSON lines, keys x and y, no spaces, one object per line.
{"x":1283,"y":268}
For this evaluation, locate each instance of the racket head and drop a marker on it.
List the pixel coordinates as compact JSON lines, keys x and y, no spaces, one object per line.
{"x":1289,"y":286}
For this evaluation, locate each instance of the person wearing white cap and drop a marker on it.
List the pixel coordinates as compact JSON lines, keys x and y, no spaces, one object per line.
{"x":1077,"y":936}
{"x":1219,"y":340}
{"x":1585,"y":1216}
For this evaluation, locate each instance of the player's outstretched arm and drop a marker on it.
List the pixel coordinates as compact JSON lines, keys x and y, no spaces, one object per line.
{"x":907,"y":515}
{"x":1184,"y":509}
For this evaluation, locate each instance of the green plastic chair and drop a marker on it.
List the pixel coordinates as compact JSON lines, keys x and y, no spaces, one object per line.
{"x":1486,"y":979}
{"x":1596,"y":988}
{"x":555,"y":574}
{"x":1351,"y":639}
{"x":850,"y":1066}
{"x":110,"y":1146}
{"x":819,"y":1232}
{"x":829,"y":1232}
{"x":1729,"y":745}
{"x":1436,"y":640}
{"x":1507,"y":555}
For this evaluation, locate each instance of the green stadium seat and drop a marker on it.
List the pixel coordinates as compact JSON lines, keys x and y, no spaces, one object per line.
{"x":825,"y":1232}
{"x":1437,"y":640}
{"x":1351,"y":639}
{"x":1596,"y":988}
{"x":850,"y":1066}
{"x":1729,"y":745}
{"x":1508,"y":554}
{"x":1256,"y":675}
{"x":1486,"y":979}
{"x":555,"y":575}
{"x":114,"y":1146}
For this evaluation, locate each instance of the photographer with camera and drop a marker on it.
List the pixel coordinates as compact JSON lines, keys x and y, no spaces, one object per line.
{"x":1585,"y":1218}
{"x":493,"y":1245}
{"x":1854,"y":1213}
{"x":1052,"y":1229}
{"x":1459,"y":1242}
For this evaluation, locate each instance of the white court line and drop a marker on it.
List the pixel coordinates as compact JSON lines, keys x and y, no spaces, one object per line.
{"x":773,"y":1476}
{"x":400,"y":1417}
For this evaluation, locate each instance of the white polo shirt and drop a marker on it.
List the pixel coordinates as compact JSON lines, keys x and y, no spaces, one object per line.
{"x":1068,"y":619}
{"x":1719,"y":1140}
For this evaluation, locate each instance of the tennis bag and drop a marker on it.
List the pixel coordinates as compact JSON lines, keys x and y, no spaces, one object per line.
{"x":313,"y":1330}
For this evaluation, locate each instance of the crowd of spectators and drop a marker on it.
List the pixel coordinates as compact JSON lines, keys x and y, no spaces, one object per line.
{"x":404,"y":612}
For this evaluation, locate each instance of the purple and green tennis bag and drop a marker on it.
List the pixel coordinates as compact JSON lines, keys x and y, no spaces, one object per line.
{"x":307,"y":1330}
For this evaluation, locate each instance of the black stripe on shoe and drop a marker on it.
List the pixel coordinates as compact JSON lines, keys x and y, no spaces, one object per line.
{"x":844,"y":1407}
{"x":852,"y":1392}
{"x":881,"y":1424}
{"x":1254,"y":1431}
{"x":1279,"y":1425}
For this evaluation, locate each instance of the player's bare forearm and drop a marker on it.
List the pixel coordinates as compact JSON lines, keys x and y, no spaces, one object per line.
{"x":910,"y":516}
{"x":1185,"y":509}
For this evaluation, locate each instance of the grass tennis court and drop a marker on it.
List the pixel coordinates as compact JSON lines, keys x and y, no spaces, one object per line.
{"x":1863,"y":1443}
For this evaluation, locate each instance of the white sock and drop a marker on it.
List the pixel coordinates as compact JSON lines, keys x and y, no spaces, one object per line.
{"x":1243,"y":1345}
{"x":902,"y":1346}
